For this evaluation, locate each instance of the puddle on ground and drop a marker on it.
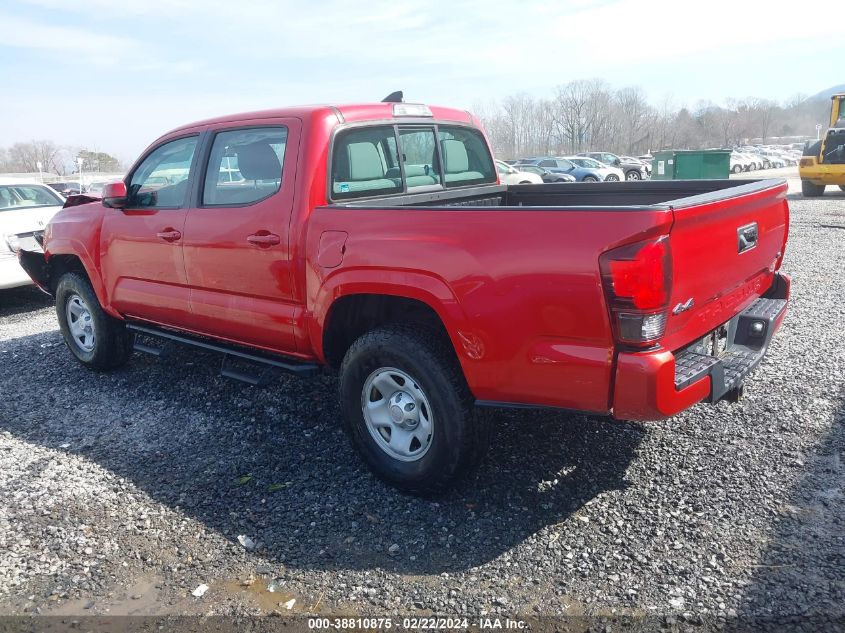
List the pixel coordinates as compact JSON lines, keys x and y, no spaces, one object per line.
{"x":259,"y":593}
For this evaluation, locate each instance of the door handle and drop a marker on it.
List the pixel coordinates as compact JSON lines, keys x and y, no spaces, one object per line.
{"x":169,"y":235}
{"x":263,"y":239}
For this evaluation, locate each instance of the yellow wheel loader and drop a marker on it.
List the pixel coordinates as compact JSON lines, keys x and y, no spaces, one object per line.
{"x":823,"y":162}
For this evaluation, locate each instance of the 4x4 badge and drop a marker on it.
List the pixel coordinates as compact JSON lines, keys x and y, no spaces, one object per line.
{"x":683,"y":307}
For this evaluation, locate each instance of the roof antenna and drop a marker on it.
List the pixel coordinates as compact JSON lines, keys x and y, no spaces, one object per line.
{"x":394,"y":97}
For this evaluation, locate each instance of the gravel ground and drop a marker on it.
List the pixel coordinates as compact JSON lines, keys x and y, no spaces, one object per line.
{"x":123,"y":492}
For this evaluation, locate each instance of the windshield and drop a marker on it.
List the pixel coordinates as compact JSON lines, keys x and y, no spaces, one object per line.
{"x":21,"y":196}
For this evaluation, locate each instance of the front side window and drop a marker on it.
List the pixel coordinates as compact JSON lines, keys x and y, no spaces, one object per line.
{"x":21,"y":196}
{"x":245,"y":166}
{"x":161,"y":181}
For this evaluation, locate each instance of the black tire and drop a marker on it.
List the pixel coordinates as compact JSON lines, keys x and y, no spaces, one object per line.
{"x":842,"y":187}
{"x":612,"y":178}
{"x":589,"y":179}
{"x":459,"y":437}
{"x":112,"y":344}
{"x":525,"y":182}
{"x":633,"y":175}
{"x":736,"y":169}
{"x":811,"y":190}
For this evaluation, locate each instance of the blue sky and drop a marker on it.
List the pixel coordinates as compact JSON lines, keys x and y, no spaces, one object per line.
{"x":113,"y":75}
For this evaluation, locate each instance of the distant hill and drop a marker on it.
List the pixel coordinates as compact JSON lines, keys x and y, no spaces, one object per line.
{"x":824,"y":95}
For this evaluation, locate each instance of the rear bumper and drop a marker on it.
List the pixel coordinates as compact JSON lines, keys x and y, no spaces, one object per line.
{"x":657,"y":385}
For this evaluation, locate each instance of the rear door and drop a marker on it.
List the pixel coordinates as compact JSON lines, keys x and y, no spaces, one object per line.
{"x":141,"y":249}
{"x":237,"y":246}
{"x":725,"y":249}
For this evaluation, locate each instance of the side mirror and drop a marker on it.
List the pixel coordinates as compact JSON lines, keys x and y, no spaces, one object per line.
{"x":114,"y":195}
{"x":617,"y":162}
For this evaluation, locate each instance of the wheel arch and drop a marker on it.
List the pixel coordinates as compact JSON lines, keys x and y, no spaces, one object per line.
{"x":63,"y":260}
{"x":343,"y":311}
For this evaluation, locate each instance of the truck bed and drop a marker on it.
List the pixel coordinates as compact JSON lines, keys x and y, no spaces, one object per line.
{"x":516,"y":272}
{"x":659,"y":194}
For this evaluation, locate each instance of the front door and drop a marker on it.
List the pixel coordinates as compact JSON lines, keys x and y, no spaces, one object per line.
{"x":141,"y":250}
{"x":237,"y":251}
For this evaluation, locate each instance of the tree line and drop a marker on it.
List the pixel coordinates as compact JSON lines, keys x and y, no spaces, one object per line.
{"x":590,"y":115}
{"x":54,"y":159}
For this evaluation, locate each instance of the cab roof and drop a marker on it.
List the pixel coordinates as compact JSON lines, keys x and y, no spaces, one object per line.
{"x":343,"y":113}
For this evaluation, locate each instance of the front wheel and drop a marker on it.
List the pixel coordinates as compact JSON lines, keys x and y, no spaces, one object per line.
{"x":736,"y":169}
{"x":633,"y":175}
{"x":842,"y":187}
{"x":811,"y":190}
{"x":612,"y":178}
{"x":96,"y":339}
{"x":408,"y":409}
{"x":589,"y":179}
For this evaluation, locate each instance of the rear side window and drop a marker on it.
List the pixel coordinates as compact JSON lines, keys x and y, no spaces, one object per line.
{"x":245,"y":166}
{"x":366,"y":163}
{"x":466,"y":159}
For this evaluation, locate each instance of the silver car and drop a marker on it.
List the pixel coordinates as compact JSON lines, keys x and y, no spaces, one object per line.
{"x":608,"y":173}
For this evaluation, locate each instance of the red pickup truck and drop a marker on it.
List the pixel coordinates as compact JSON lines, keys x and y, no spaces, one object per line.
{"x":376,"y":240}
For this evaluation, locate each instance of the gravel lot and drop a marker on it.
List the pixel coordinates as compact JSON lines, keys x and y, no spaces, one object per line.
{"x":121,"y":493}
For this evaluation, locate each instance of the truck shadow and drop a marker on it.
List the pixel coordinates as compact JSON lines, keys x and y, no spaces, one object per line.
{"x":798,"y":583}
{"x":14,"y":301}
{"x":272,"y":463}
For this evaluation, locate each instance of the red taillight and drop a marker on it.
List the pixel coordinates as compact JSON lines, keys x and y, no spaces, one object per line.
{"x":637,"y":280}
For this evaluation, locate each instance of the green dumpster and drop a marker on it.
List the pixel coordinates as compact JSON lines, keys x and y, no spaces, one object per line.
{"x":705,"y":164}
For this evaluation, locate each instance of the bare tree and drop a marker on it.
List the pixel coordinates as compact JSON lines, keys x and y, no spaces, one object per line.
{"x":24,"y":157}
{"x":590,"y":115}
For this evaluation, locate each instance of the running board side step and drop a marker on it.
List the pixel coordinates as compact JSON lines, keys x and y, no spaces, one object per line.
{"x":270,"y":365}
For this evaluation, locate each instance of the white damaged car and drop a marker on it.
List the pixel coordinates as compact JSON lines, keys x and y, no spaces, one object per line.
{"x":25,"y":209}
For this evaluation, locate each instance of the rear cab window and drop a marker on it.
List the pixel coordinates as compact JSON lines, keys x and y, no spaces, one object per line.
{"x":384,"y":160}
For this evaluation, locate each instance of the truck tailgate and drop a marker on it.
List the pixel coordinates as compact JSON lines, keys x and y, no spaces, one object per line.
{"x":725,"y":248}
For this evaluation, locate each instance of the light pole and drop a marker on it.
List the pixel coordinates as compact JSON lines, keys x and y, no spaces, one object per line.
{"x":40,"y":166}
{"x":80,"y":161}
{"x":818,"y":130}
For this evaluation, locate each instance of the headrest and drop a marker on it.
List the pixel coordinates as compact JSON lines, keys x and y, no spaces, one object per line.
{"x":364,"y":161}
{"x":455,"y":157}
{"x":258,"y":161}
{"x":415,"y":170}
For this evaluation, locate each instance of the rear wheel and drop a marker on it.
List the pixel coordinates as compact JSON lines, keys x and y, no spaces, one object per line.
{"x":736,"y":169}
{"x":589,"y":179}
{"x":96,"y":339}
{"x":611,"y":178}
{"x":811,"y":190}
{"x":408,"y":409}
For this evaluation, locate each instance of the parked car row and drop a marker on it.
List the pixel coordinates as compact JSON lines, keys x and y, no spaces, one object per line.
{"x":763,"y":157}
{"x":580,"y":168}
{"x":583,"y":167}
